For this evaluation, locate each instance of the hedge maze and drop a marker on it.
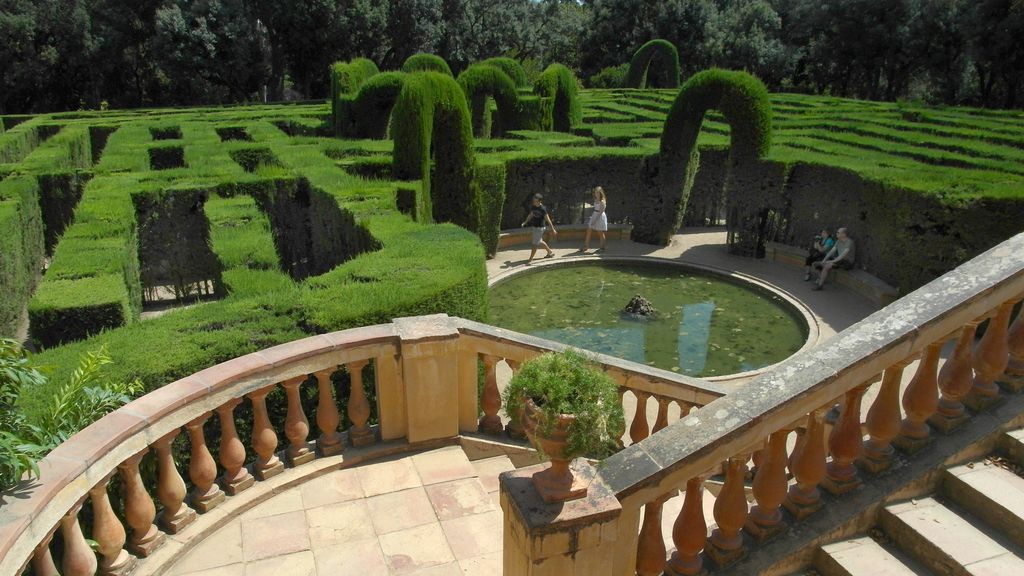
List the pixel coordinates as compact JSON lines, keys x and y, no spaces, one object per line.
{"x":261,"y":224}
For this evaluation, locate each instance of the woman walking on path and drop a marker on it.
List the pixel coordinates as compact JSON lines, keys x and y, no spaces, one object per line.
{"x":598,"y":220}
{"x":539,"y":219}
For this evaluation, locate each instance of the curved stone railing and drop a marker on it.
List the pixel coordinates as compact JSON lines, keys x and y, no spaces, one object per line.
{"x":756,"y":421}
{"x":423,"y":388}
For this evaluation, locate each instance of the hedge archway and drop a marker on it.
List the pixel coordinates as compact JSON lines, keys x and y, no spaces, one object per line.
{"x":743,"y":100}
{"x":346,"y":79}
{"x":373,"y":104}
{"x":423,"y":62}
{"x":512,"y":67}
{"x":560,"y":84}
{"x":483,"y":81}
{"x":431,"y":121}
{"x":657,"y":57}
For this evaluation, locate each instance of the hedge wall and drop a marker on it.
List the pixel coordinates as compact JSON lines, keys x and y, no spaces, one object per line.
{"x":346,"y":79}
{"x":431,"y":121}
{"x":423,"y":62}
{"x":371,"y":108}
{"x":743,"y":100}
{"x":512,"y":68}
{"x":560,"y":84}
{"x":21,"y":248}
{"x":654,"y":65}
{"x":480,"y":83}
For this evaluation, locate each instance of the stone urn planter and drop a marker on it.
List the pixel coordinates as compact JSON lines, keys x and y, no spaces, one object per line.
{"x":568,"y":408}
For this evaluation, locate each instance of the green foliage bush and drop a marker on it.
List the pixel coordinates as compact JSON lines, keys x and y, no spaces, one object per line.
{"x":743,"y":101}
{"x":431,"y":122}
{"x":371,"y":108}
{"x":560,"y":84}
{"x":567,"y":383}
{"x":480,"y":83}
{"x":423,"y":62}
{"x":658,"y":58}
{"x":610,"y":77}
{"x":512,"y":67}
{"x":346,"y":79}
{"x":21,"y":246}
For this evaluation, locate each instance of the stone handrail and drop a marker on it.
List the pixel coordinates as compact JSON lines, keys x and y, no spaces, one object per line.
{"x":425,"y":373}
{"x":792,"y":398}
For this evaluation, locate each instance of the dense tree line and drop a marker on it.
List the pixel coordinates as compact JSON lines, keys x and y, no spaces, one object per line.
{"x":66,"y":54}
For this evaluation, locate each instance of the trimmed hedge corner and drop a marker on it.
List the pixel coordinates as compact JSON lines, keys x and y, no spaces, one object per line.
{"x":654,"y":65}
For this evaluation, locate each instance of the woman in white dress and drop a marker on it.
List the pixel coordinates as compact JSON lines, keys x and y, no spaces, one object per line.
{"x":598,"y":220}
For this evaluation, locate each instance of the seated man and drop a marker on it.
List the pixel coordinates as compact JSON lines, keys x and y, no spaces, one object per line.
{"x":840,"y":256}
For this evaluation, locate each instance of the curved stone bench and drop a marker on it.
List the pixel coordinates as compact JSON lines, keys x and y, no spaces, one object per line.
{"x":860,"y":281}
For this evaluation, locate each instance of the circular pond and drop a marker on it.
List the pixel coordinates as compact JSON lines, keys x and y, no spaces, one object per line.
{"x":706,"y":324}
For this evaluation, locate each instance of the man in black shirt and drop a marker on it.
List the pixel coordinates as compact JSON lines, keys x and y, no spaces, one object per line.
{"x":538,"y":219}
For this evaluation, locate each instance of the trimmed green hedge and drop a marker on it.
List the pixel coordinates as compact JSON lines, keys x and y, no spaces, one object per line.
{"x":659,"y":58}
{"x":743,"y":101}
{"x":512,"y":67}
{"x":431,"y":121}
{"x":21,"y":247}
{"x":560,"y":84}
{"x":346,"y":79}
{"x":371,"y":108}
{"x":423,"y":62}
{"x":480,"y":83}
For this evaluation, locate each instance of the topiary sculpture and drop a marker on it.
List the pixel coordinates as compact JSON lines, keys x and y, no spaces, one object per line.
{"x":511,"y":67}
{"x":423,"y":62}
{"x":371,"y":108}
{"x":481,"y":82}
{"x":654,"y":65}
{"x":743,"y":100}
{"x":560,"y":84}
{"x":346,"y":79}
{"x":431,"y":121}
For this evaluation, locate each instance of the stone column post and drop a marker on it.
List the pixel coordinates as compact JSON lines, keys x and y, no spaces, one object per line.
{"x":429,"y":352}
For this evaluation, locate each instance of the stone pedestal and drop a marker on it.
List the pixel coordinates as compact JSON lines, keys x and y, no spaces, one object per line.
{"x":574,"y":538}
{"x":429,"y":348}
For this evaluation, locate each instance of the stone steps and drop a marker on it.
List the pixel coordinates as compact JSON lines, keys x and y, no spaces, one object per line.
{"x":992,"y":494}
{"x":1012,"y":444}
{"x":863,"y":557}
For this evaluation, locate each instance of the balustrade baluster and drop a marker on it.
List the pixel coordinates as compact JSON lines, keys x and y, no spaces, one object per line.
{"x":514,"y":428}
{"x":42,"y":559}
{"x":139,"y":509}
{"x":1013,"y":377}
{"x":109,"y":534}
{"x":920,"y":400}
{"x":650,"y":552}
{"x":883,"y":422}
{"x":990,"y":359}
{"x":808,"y":467}
{"x":620,"y":431}
{"x":171,"y":488}
{"x":954,"y":381}
{"x":769,"y":488}
{"x":844,"y":444}
{"x":79,"y":559}
{"x":689,"y":532}
{"x":490,"y":402}
{"x":662,"y":420}
{"x":264,"y":439}
{"x":359,"y":407}
{"x":327,"y":416}
{"x":206,"y":494}
{"x":639,"y":430}
{"x":296,"y":425}
{"x":725,"y":546}
{"x":232,"y":452}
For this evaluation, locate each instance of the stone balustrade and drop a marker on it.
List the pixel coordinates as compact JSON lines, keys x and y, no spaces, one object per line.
{"x":422,"y":375}
{"x":749,"y":430}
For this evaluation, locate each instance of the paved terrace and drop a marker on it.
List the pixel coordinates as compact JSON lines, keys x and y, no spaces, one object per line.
{"x":436,"y":513}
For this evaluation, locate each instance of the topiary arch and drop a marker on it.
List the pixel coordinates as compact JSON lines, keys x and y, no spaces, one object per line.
{"x":481,"y":82}
{"x":559,"y":83}
{"x":431,"y":121}
{"x":371,"y":108}
{"x":743,"y":100}
{"x":654,"y":65}
{"x":423,"y":62}
{"x":346,"y":78}
{"x":511,"y":67}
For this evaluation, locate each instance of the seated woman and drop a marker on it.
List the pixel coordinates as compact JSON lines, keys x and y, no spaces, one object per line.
{"x":823,"y":242}
{"x":841,"y":256}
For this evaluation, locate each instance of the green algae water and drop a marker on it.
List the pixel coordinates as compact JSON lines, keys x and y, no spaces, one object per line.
{"x":707,"y":326}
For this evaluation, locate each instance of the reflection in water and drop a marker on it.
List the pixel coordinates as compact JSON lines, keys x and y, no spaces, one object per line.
{"x":705,"y":326}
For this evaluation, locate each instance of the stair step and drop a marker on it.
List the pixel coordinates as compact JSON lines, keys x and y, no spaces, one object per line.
{"x":945,"y":541}
{"x":862,"y":557}
{"x":1012,"y":443}
{"x":993,"y":494}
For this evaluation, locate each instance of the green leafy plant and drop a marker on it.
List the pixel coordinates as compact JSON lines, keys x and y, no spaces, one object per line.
{"x":18,"y":450}
{"x":567,"y":383}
